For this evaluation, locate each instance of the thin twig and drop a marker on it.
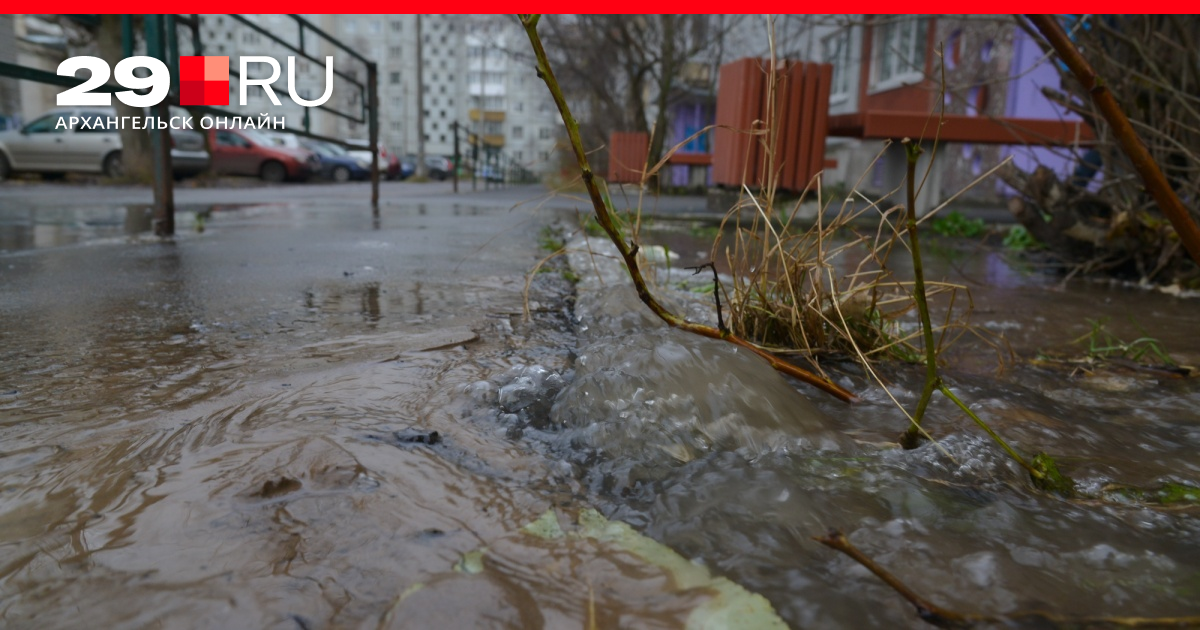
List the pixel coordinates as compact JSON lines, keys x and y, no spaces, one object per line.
{"x":716,"y":291}
{"x":946,"y":618}
{"x":911,"y":437}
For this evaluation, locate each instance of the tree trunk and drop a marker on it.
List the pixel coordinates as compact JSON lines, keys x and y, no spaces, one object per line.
{"x":666,"y":79}
{"x":135,"y":143}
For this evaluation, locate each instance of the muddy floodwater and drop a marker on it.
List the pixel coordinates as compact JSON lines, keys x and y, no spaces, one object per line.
{"x":301,"y":417}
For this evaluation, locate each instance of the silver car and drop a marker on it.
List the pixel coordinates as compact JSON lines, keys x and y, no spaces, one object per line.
{"x":48,"y":146}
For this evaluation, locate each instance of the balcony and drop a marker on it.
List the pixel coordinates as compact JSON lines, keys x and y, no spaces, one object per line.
{"x":489,"y":139}
{"x":488,"y":115}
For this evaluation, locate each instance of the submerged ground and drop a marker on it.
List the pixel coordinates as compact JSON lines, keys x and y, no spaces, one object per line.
{"x":236,"y":430}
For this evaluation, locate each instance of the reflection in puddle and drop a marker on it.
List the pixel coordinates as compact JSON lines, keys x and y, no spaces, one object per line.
{"x":37,"y":227}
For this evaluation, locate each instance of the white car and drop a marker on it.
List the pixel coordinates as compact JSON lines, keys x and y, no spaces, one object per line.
{"x":48,"y":146}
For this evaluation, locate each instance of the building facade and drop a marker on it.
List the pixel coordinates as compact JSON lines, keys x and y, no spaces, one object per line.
{"x":974,"y":66}
{"x":470,"y":74}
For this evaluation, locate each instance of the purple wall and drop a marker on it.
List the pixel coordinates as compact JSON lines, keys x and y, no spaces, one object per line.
{"x":1030,"y":71}
{"x":687,"y":118}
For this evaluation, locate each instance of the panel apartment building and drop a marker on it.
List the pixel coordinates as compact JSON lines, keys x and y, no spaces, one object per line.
{"x":474,"y":71}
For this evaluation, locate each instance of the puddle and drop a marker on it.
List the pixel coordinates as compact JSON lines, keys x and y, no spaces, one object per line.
{"x":239,"y":430}
{"x":960,"y":524}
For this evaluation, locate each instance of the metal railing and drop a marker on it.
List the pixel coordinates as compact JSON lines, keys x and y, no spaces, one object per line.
{"x":160,"y":34}
{"x":496,"y":168}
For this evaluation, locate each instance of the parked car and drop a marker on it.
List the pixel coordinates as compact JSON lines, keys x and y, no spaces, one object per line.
{"x":247,"y":152}
{"x":436,"y":167}
{"x":489,"y":173}
{"x":408,"y":167}
{"x":389,"y":163}
{"x":336,"y":163}
{"x":47,"y":146}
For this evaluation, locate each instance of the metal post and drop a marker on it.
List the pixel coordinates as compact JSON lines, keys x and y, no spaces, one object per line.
{"x":172,"y":59}
{"x":197,"y":45}
{"x":457,"y":155}
{"x":422,"y":168}
{"x":127,"y":35}
{"x":160,"y":139}
{"x":373,"y":132}
{"x":474,"y":160}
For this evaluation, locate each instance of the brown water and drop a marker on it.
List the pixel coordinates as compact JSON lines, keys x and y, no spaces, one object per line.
{"x":218,"y":433}
{"x":963,"y":527}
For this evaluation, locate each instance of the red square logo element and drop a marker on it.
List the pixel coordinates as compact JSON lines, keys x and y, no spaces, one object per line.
{"x":203,"y":80}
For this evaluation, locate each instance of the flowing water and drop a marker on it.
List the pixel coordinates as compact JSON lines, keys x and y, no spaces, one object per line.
{"x":237,"y":430}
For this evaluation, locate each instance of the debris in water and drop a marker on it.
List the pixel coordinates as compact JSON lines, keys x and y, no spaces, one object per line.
{"x":276,"y":487}
{"x":471,"y":562}
{"x":417,"y":436}
{"x":731,"y":607}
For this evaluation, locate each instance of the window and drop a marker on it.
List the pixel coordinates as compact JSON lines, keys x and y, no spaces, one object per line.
{"x":898,"y":54}
{"x":543,"y":155}
{"x":230,"y":139}
{"x":519,"y":106}
{"x":442,"y":138}
{"x":544,"y":133}
{"x":835,"y":49}
{"x":442,"y":114}
{"x":394,"y":78}
{"x":376,"y":27}
{"x":518,"y":133}
{"x":395,"y":126}
{"x":48,"y":124}
{"x":396,"y":26}
{"x":393,"y":51}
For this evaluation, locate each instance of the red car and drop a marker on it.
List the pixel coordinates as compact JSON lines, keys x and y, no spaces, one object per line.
{"x":393,"y":165}
{"x":246,"y":152}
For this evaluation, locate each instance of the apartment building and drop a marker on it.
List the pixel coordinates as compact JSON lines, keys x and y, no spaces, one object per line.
{"x":470,"y":73}
{"x":905,"y":68}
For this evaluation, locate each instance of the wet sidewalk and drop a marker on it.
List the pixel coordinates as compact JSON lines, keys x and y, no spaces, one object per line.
{"x":270,"y":423}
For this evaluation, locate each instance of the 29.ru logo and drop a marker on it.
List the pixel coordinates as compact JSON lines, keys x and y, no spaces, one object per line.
{"x":204,"y":81}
